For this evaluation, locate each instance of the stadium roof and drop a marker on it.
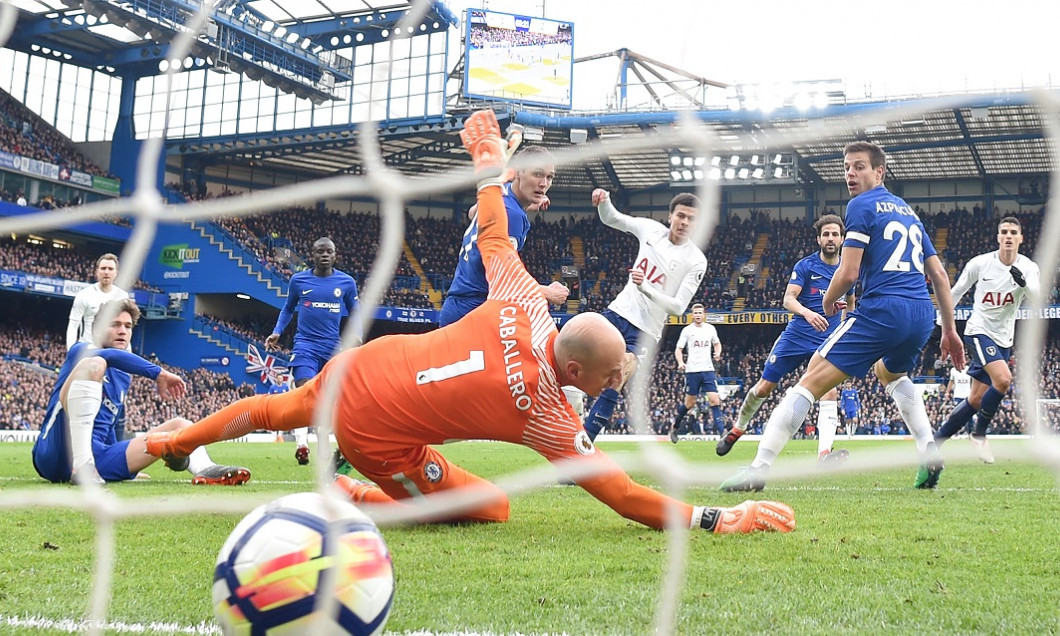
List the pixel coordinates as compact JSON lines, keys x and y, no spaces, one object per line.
{"x":982,"y":136}
{"x":979,"y":136}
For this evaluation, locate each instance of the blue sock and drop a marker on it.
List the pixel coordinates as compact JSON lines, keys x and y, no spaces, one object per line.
{"x":959,"y":417}
{"x":600,"y":415}
{"x":719,"y":419}
{"x":987,"y":409}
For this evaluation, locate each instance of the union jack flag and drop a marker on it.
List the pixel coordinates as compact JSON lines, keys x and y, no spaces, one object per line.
{"x":269,"y":367}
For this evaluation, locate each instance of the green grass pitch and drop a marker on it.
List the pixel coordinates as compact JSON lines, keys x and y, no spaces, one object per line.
{"x":980,"y":555}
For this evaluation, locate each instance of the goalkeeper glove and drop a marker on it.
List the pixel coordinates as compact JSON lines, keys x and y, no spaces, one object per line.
{"x":748,"y":517}
{"x":1017,"y":276}
{"x":482,"y":138}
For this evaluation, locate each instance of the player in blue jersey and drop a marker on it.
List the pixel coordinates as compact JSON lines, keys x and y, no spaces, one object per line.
{"x":527,"y":192}
{"x":78,"y":440}
{"x":322,"y":296}
{"x":850,"y":402}
{"x":887,"y":249}
{"x":805,"y":332}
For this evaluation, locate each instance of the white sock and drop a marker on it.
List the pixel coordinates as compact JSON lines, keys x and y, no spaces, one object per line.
{"x":751,"y":403}
{"x":910,"y":405}
{"x":301,"y":436}
{"x":827,"y":423}
{"x":199,"y":461}
{"x":83,"y":399}
{"x":782,"y":424}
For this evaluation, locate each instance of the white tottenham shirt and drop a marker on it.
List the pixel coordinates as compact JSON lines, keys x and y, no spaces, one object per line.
{"x":83,"y":312}
{"x":700,"y":340}
{"x":962,"y":384}
{"x":672,"y":273}
{"x":997,"y":296}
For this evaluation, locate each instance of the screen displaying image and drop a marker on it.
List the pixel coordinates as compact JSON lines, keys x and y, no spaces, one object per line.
{"x":518,"y":58}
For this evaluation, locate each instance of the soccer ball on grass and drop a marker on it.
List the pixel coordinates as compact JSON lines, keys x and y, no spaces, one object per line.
{"x":277,"y":558}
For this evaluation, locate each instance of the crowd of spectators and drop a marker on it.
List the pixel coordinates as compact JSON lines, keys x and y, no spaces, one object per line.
{"x":744,"y":355}
{"x":24,"y":389}
{"x":46,"y":260}
{"x":483,"y":36}
{"x":22,"y":132}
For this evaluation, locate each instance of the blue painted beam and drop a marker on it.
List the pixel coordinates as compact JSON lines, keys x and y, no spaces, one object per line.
{"x":750,"y":117}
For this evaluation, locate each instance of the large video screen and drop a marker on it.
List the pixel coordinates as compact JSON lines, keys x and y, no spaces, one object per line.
{"x":518,"y":58}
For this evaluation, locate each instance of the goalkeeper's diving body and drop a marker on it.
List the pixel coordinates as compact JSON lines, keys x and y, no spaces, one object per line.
{"x":495,"y":374}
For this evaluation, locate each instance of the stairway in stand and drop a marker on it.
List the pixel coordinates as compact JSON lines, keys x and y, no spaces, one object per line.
{"x":577,"y":249}
{"x":425,"y":285}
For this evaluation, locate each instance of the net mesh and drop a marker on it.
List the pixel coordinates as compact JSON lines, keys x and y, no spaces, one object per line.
{"x":392,"y":190}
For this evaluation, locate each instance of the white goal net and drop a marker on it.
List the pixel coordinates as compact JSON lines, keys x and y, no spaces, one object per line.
{"x":393,"y":190}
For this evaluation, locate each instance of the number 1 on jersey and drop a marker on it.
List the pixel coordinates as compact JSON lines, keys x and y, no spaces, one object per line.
{"x":476,"y":361}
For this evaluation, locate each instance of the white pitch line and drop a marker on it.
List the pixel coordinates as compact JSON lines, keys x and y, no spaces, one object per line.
{"x":70,"y":626}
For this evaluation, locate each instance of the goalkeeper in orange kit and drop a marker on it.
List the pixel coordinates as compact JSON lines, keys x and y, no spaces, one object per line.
{"x":495,"y":374}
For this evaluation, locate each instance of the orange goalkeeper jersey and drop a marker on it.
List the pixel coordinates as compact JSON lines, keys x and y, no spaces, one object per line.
{"x":491,"y":375}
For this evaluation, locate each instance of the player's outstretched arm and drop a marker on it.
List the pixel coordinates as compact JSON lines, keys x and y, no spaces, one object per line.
{"x":644,"y":505}
{"x":611,"y":217}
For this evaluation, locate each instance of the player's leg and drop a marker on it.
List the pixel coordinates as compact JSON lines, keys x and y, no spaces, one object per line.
{"x":751,"y":403}
{"x":420,"y":471}
{"x":692,"y":385}
{"x":81,"y":397}
{"x":820,"y":377}
{"x":279,"y":412}
{"x":604,"y":406}
{"x":304,"y":367}
{"x":710,"y":386}
{"x":962,"y":413}
{"x":827,"y":425}
{"x":1000,"y":381}
{"x":202,"y":468}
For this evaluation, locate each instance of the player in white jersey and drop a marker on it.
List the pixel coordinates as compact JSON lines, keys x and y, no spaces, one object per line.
{"x":704,"y":347}
{"x":88,"y":301}
{"x":960,"y":385}
{"x":1002,"y":279}
{"x":666,"y":273}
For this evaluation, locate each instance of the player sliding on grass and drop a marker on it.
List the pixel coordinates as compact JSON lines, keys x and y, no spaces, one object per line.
{"x":78,"y":440}
{"x":495,"y":374}
{"x":887,"y":247}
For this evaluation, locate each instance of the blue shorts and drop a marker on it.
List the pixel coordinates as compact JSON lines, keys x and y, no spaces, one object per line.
{"x":630,"y":333}
{"x":305,"y":365}
{"x":699,"y":382}
{"x":850,"y":413}
{"x":53,"y":460}
{"x":787,"y":354}
{"x":984,"y":351}
{"x":888,"y":328}
{"x":456,"y":307}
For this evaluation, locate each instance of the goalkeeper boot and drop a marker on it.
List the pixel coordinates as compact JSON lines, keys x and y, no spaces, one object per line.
{"x":927,"y":476}
{"x":750,"y":516}
{"x":748,"y":479}
{"x":301,"y":455}
{"x":218,"y":475}
{"x":725,"y":443}
{"x":982,"y":449}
